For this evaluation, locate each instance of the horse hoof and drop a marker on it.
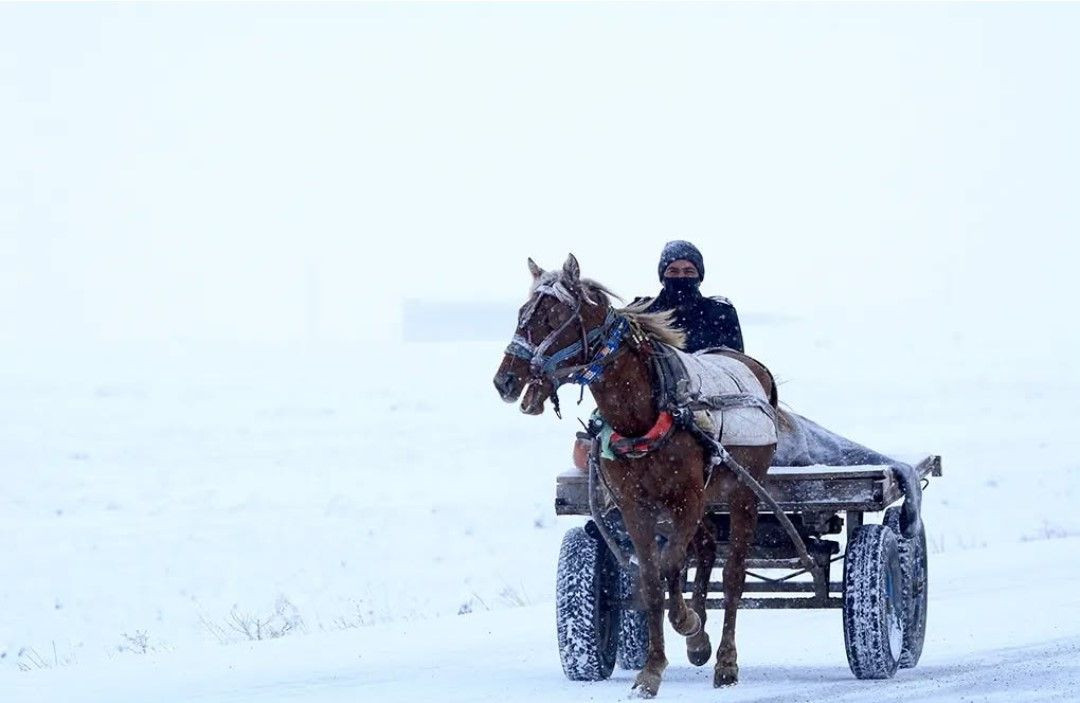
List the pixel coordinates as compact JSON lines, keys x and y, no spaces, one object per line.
{"x":725,"y":676}
{"x":690,"y":627}
{"x":699,"y":657}
{"x":646,"y":685}
{"x":699,"y":648}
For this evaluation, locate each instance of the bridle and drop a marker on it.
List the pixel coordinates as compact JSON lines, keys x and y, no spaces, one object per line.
{"x":549,"y":367}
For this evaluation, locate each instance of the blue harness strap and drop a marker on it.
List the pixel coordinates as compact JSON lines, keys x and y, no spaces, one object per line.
{"x":595,"y":369}
{"x":549,"y":363}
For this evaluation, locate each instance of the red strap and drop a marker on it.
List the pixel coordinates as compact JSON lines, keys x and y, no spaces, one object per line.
{"x":647,"y":442}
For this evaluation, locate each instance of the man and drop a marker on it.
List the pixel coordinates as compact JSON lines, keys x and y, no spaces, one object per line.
{"x":708,"y":322}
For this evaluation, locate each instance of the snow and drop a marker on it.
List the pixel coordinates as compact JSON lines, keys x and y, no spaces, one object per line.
{"x":976,"y":650}
{"x":363,"y":497}
{"x":206,"y":209}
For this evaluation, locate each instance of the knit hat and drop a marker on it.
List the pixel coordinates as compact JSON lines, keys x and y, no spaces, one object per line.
{"x":680,"y":249}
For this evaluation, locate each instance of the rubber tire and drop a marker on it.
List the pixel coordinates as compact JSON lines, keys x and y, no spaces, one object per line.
{"x":633,"y":628}
{"x":913,"y":563}
{"x":873,"y":609}
{"x":586,"y":619}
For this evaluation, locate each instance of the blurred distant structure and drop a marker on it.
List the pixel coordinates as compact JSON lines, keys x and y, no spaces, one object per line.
{"x":457,"y":321}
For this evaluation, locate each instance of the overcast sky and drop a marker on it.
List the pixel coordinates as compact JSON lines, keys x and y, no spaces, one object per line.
{"x":209,"y":171}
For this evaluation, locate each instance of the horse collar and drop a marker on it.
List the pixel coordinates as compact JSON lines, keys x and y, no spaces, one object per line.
{"x":637,"y":447}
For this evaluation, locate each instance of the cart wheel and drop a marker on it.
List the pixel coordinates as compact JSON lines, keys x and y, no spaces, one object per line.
{"x":633,"y":628}
{"x":913,"y":566}
{"x":873,"y":609}
{"x":587,"y":618}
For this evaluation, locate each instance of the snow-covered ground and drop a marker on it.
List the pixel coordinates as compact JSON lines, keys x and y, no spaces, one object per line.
{"x":977,"y":649}
{"x":886,"y":190}
{"x":385,"y":512}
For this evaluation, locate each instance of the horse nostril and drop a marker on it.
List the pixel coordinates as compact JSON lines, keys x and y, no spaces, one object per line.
{"x":504,"y":383}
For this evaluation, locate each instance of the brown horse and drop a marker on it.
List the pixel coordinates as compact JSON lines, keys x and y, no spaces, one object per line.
{"x":559,"y":334}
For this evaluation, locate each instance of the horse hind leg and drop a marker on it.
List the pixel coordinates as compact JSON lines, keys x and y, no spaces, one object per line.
{"x":743,"y":522}
{"x":698,"y":646}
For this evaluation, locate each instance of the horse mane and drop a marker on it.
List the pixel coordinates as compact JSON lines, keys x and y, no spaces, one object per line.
{"x":657,"y":326}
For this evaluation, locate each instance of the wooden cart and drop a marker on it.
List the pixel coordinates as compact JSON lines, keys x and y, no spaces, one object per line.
{"x":882,"y":590}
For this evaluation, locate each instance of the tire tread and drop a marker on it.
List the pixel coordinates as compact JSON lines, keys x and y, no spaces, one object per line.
{"x":913,"y":564}
{"x":865,"y":630}
{"x":584,"y":567}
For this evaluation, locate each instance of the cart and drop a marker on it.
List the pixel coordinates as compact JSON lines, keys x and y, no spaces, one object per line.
{"x":882,"y":590}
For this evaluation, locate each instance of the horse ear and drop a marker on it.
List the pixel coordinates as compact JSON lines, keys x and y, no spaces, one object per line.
{"x":535,"y":270}
{"x":572,"y":269}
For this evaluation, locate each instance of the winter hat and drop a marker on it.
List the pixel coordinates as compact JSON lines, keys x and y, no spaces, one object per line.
{"x":680,"y":249}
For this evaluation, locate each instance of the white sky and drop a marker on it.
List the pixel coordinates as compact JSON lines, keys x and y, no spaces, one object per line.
{"x":202,"y":171}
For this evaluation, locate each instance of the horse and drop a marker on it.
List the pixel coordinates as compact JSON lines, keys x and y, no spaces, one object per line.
{"x":560,"y":336}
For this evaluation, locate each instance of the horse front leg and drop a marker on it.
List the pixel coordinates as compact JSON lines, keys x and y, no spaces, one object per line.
{"x":698,"y":647}
{"x":642,"y":530}
{"x":743,"y":523}
{"x":686,"y":621}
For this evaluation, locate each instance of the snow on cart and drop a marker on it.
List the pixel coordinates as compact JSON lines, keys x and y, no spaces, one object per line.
{"x":882,"y":588}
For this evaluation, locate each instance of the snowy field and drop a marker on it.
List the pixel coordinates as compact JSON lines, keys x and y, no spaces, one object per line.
{"x":972,"y":654}
{"x":385,"y":514}
{"x":887,"y":191}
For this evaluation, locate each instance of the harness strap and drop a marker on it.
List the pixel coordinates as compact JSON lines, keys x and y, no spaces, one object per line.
{"x":731,"y":401}
{"x":721,"y":457}
{"x":666,"y":370}
{"x":549,"y":364}
{"x":586,"y":373}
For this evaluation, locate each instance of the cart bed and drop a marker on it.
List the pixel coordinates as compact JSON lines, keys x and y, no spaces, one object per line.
{"x":796,"y":488}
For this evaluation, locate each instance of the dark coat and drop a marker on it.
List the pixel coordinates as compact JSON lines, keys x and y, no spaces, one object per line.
{"x":708,"y":322}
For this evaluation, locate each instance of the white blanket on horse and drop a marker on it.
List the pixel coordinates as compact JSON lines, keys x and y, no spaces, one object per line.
{"x":711,"y":375}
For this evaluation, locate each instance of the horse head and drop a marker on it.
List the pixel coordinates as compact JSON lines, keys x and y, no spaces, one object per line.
{"x":552,"y":335}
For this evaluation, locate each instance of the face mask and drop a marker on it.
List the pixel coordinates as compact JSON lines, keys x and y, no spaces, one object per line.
{"x":681,"y":289}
